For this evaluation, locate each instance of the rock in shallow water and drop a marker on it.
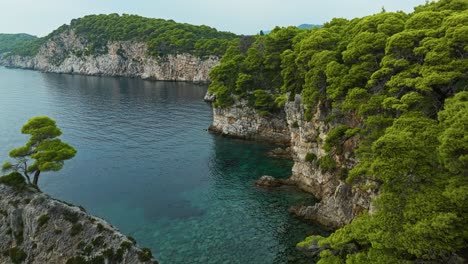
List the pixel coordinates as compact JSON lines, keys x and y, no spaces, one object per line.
{"x":281,"y":153}
{"x":272,"y":182}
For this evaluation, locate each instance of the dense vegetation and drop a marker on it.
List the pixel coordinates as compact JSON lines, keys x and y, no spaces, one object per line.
{"x":397,"y":82}
{"x":162,"y":36}
{"x":9,"y":42}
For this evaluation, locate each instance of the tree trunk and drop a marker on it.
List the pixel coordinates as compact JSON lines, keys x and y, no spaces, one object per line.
{"x":27,"y":177}
{"x":36,"y":177}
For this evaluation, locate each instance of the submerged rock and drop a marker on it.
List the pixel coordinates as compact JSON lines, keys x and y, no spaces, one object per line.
{"x":35,"y":228}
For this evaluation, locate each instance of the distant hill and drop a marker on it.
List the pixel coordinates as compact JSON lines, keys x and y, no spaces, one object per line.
{"x":302,"y":26}
{"x":162,"y":36}
{"x":11,"y":41}
{"x":309,"y":26}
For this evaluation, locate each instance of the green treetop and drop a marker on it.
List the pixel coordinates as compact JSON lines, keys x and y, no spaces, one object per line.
{"x":43,"y":152}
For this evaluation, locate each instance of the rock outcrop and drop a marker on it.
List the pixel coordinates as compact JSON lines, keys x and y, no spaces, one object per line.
{"x":339,"y":202}
{"x":241,"y":121}
{"x":65,"y":53}
{"x":34,"y":228}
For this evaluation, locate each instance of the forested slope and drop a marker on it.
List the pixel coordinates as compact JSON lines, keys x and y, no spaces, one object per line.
{"x":11,"y":41}
{"x":397,"y":83}
{"x":162,"y":36}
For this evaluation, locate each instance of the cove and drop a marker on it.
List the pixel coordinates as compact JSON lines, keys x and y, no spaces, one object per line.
{"x":147,"y":165}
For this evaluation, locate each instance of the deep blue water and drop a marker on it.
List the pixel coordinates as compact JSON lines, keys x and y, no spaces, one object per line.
{"x":147,"y":164}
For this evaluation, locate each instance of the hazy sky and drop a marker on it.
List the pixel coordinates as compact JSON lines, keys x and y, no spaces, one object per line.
{"x":39,"y":17}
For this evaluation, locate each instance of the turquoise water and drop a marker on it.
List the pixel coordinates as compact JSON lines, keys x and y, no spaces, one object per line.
{"x":147,"y":164}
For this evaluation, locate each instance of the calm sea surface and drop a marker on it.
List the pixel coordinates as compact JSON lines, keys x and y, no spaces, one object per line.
{"x":147,"y":164}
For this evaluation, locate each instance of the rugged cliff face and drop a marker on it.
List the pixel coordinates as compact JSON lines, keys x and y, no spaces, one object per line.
{"x":65,"y":54}
{"x":340,"y":203}
{"x":34,"y":228}
{"x":241,"y":121}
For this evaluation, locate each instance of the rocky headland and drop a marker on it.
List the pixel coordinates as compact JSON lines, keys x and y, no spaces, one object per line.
{"x":67,"y":53}
{"x":36,"y":228}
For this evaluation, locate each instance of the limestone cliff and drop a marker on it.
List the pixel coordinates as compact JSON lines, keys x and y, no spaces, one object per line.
{"x":241,"y":121}
{"x":34,"y":228}
{"x":339,"y":202}
{"x":68,"y":53}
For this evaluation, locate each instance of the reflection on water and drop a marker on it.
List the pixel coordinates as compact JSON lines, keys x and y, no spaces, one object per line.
{"x":146,"y":163}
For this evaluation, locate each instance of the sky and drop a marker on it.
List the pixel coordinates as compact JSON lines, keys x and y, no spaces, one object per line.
{"x":40,"y":17}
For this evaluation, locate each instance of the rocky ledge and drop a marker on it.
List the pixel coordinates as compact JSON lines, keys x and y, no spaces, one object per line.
{"x":35,"y":228}
{"x":241,"y":121}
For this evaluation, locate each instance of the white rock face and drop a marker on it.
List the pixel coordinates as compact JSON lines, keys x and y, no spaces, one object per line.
{"x":68,"y":231}
{"x":241,"y":121}
{"x":123,"y":58}
{"x":340,"y":203}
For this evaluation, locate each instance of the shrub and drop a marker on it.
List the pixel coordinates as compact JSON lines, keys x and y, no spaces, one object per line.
{"x":326,"y":163}
{"x":76,"y":229}
{"x":71,"y":217}
{"x":17,"y":255}
{"x":14,"y":179}
{"x":42,"y":220}
{"x":145,"y":254}
{"x":335,"y":138}
{"x":295,"y":124}
{"x":77,"y":260}
{"x":310,"y":157}
{"x":100,"y":227}
{"x":132,"y":239}
{"x":98,"y":241}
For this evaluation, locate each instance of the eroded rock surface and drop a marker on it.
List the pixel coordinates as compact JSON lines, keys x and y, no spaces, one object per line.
{"x":36,"y":228}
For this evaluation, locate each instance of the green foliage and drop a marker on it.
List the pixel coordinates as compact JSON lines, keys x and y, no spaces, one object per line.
{"x":145,"y":254}
{"x":13,"y":179}
{"x":310,"y":157}
{"x":70,"y":216}
{"x":335,"y":138}
{"x":309,"y":240}
{"x":133,"y":240}
{"x":100,"y":227}
{"x":454,"y":139}
{"x":326,"y":163}
{"x":47,"y":152}
{"x":163,"y":37}
{"x":8,"y":42}
{"x":42,"y":220}
{"x":76,"y":229}
{"x":421,"y":211}
{"x":17,"y":255}
{"x":250,"y":70}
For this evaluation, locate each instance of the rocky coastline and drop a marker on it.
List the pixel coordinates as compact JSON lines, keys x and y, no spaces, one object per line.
{"x":339,"y":201}
{"x":65,"y":54}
